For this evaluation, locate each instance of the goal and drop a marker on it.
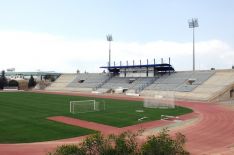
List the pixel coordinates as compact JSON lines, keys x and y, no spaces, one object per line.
{"x":163,"y":101}
{"x":85,"y":106}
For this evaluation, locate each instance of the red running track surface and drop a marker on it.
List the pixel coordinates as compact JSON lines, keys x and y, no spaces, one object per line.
{"x":215,"y":131}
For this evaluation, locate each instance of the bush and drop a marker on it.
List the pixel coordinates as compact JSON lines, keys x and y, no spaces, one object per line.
{"x":23,"y":84}
{"x":13,"y":83}
{"x":126,"y":144}
{"x":96,"y":144}
{"x":123,"y":144}
{"x":68,"y":150}
{"x":163,"y":144}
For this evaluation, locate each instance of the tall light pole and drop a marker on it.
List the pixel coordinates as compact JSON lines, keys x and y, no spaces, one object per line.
{"x":193,"y":23}
{"x":109,"y":39}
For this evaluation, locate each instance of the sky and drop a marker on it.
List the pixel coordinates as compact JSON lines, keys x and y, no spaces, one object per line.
{"x":66,"y":35}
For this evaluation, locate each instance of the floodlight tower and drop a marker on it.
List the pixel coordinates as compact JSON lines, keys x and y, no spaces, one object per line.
{"x":193,"y":23}
{"x":109,"y":39}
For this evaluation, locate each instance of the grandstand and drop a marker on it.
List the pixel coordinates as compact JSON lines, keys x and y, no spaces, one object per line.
{"x":219,"y":87}
{"x":86,"y":82}
{"x":152,"y":80}
{"x":180,"y":81}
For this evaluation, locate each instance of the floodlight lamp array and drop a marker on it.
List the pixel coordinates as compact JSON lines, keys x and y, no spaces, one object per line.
{"x":193,"y":23}
{"x":109,"y":37}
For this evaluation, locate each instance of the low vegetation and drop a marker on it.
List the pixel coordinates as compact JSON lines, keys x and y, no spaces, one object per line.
{"x":126,"y":143}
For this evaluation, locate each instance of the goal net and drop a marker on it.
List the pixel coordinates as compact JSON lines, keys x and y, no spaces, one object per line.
{"x":163,"y":101}
{"x":85,"y":106}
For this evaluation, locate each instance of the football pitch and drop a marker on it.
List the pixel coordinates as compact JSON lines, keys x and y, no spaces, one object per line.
{"x":23,"y":116}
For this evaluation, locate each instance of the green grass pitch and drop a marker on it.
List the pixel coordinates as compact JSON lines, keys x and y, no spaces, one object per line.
{"x":23,"y":116}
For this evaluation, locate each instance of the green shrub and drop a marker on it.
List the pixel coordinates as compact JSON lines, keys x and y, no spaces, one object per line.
{"x":163,"y":144}
{"x":97,"y":144}
{"x":68,"y":150}
{"x":126,"y":144}
{"x":13,"y":83}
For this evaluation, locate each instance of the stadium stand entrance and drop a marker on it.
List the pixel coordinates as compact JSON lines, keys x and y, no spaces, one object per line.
{"x":232,"y":93}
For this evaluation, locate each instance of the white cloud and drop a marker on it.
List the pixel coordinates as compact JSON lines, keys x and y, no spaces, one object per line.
{"x":28,"y":51}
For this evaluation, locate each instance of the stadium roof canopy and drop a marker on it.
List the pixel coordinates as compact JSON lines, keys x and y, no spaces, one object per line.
{"x":160,"y":67}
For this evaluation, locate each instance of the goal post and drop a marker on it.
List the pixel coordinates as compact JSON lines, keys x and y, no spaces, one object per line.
{"x":162,"y":101}
{"x":84,"y":106}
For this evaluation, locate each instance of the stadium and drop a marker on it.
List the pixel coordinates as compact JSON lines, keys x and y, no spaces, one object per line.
{"x":128,"y":97}
{"x":68,"y":88}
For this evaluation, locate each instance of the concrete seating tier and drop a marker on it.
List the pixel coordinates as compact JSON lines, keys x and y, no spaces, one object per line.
{"x":179,"y":81}
{"x":117,"y":82}
{"x":103,"y":90}
{"x":72,"y":82}
{"x":61,"y":82}
{"x":88,"y":80}
{"x":133,"y":83}
{"x":198,"y":85}
{"x":213,"y":88}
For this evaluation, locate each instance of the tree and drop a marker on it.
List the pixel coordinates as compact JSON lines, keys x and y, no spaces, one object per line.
{"x":3,"y":80}
{"x":1,"y":83}
{"x":31,"y":82}
{"x":3,"y":74}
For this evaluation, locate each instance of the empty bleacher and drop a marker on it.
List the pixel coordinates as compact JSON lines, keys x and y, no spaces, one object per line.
{"x":198,"y":85}
{"x":78,"y":82}
{"x":87,"y":81}
{"x":132,"y":84}
{"x":61,"y":82}
{"x":213,"y":88}
{"x":140,"y":83}
{"x":180,"y":81}
{"x":199,"y":77}
{"x":117,"y":82}
{"x":103,"y":83}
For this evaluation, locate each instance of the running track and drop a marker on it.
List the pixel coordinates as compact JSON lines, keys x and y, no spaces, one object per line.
{"x":212,"y":134}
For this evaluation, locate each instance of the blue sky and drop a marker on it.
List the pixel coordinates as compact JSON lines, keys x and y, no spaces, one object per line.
{"x":133,"y":23}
